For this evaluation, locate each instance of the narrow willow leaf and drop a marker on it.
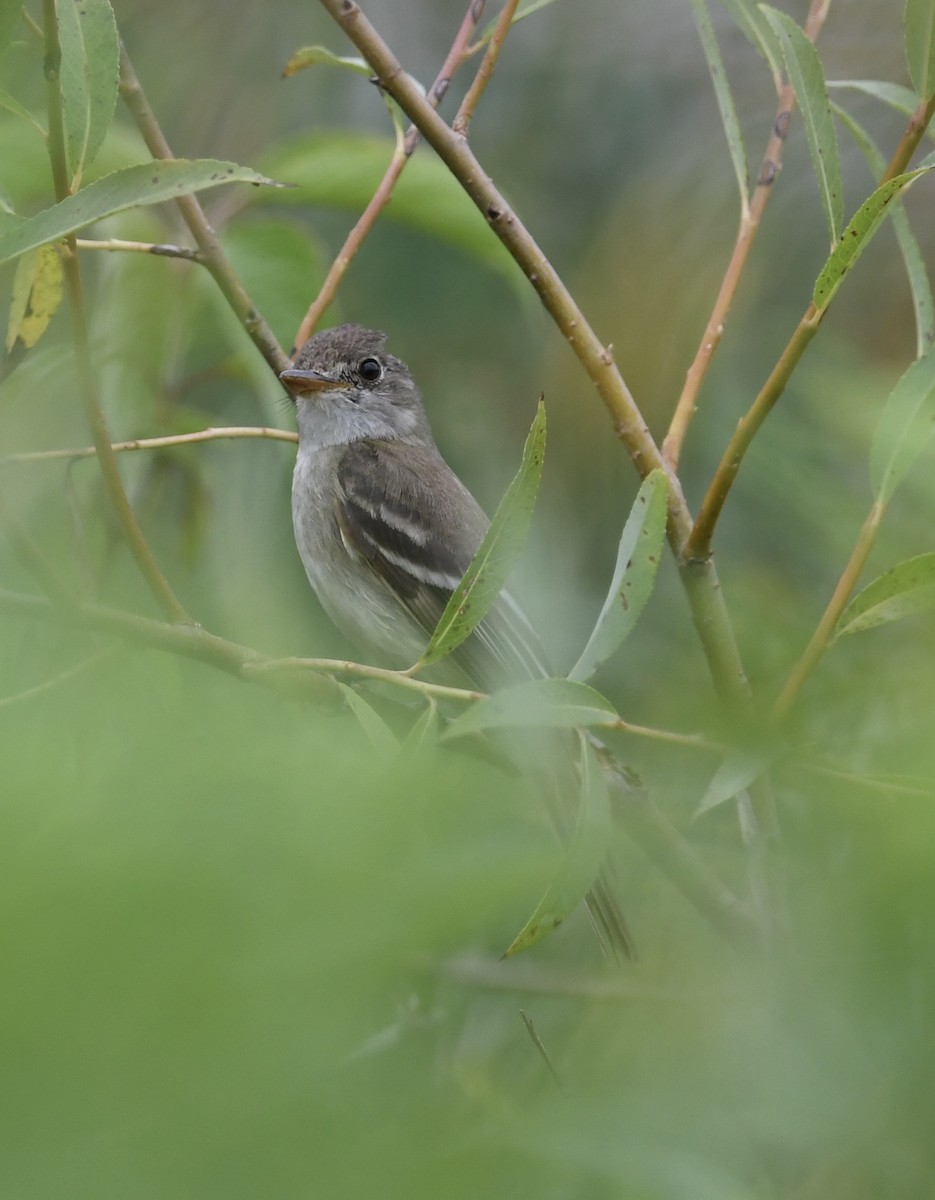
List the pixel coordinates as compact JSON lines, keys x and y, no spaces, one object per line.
{"x":748,"y":16}
{"x":920,"y":45}
{"x":920,"y":288}
{"x":484,"y":579}
{"x":856,"y":237}
{"x":903,"y":99}
{"x":906,"y":589}
{"x":89,"y":73}
{"x":543,"y":703}
{"x":905,"y":427}
{"x":424,"y":731}
{"x":526,"y":9}
{"x":37,"y":294}
{"x":634,"y":575}
{"x":803,"y":67}
{"x":378,"y":732}
{"x":725,"y":100}
{"x":313,"y":56}
{"x":738,"y":770}
{"x":11,"y":104}
{"x":582,"y":860}
{"x":145,"y":183}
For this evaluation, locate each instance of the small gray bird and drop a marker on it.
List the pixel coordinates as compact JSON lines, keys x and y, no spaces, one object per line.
{"x":385,"y":528}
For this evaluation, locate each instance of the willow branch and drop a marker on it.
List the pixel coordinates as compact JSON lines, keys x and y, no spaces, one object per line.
{"x":486,"y":69}
{"x":455,"y":57}
{"x":200,"y":228}
{"x":156,"y":443}
{"x":161,"y":249}
{"x":94,"y":413}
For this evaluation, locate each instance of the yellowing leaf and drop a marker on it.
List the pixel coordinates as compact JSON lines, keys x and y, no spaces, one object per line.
{"x":37,"y":294}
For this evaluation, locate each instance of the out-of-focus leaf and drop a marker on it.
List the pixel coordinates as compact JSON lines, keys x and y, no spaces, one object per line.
{"x":920,"y":45}
{"x":905,"y":428}
{"x":634,"y":575}
{"x":505,"y":537}
{"x":543,"y":703}
{"x":919,"y":286}
{"x":855,"y":238}
{"x":279,"y":265}
{"x":342,"y":170}
{"x":378,"y":732}
{"x":748,"y":16}
{"x":147,"y":183}
{"x":901,"y":98}
{"x":313,"y":56}
{"x":738,"y":770}
{"x":904,"y":590}
{"x":89,"y":70}
{"x":583,"y":857}
{"x":424,"y":731}
{"x":37,"y":294}
{"x":803,"y":67}
{"x":11,"y":104}
{"x":725,"y":99}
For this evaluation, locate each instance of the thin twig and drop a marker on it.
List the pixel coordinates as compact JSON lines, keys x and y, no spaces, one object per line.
{"x":818,"y":642}
{"x":94,"y":413}
{"x":200,"y":228}
{"x":537,"y":1042}
{"x":157,"y":443}
{"x":49,"y":685}
{"x":485,"y":71}
{"x":380,"y":198}
{"x":161,"y":249}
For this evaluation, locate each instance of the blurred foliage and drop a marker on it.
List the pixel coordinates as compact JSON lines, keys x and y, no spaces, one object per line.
{"x":248,"y":953}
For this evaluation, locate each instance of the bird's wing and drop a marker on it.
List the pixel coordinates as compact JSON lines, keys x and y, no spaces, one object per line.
{"x":421,"y":552}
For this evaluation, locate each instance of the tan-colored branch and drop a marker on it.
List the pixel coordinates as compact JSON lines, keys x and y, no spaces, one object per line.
{"x":485,"y":71}
{"x":157,"y":443}
{"x":455,"y":57}
{"x":161,"y":249}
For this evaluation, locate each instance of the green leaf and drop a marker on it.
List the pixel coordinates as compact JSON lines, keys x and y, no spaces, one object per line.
{"x":88,"y":77}
{"x":856,"y":237}
{"x":378,"y":732}
{"x":903,"y":99}
{"x":526,"y":9}
{"x":920,"y":45}
{"x":37,"y":294}
{"x":634,"y":575}
{"x":905,"y":427}
{"x":906,"y":589}
{"x":725,"y":100}
{"x":484,"y":579}
{"x":735,"y":774}
{"x":313,"y":56}
{"x":748,"y":17}
{"x":803,"y":67}
{"x":279,"y":264}
{"x":342,"y":170}
{"x":916,"y":272}
{"x":424,"y":731}
{"x":147,"y":183}
{"x":10,"y":21}
{"x":582,"y":860}
{"x":539,"y":703}
{"x":11,"y":104}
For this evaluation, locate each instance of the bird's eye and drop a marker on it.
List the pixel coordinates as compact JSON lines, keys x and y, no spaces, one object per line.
{"x":370,"y":370}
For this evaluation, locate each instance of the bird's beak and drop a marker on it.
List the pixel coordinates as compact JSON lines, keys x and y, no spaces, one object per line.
{"x":304,"y":382}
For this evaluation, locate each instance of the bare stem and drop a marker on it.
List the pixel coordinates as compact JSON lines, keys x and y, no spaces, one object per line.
{"x":94,"y":414}
{"x":818,"y":642}
{"x":485,"y":70}
{"x":156,"y":443}
{"x":161,"y":249}
{"x":194,"y":217}
{"x":380,"y":198}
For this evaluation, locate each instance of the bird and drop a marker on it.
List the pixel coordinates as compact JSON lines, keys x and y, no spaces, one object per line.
{"x":385,"y":530}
